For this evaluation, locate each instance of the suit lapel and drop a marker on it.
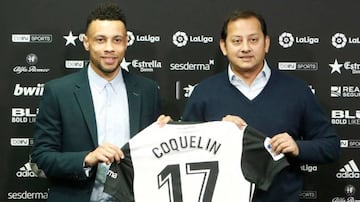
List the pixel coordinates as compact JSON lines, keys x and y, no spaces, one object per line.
{"x":134,"y":100}
{"x":83,"y":95}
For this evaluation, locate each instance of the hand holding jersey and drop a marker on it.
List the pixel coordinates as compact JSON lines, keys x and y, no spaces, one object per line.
{"x":280,"y":143}
{"x":108,"y":153}
{"x":212,"y":161}
{"x":235,"y":119}
{"x":284,"y":143}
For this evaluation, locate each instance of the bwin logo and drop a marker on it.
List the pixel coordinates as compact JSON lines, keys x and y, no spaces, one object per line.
{"x":131,"y":38}
{"x":180,"y":39}
{"x":339,"y":40}
{"x":286,"y":40}
{"x":29,"y":91}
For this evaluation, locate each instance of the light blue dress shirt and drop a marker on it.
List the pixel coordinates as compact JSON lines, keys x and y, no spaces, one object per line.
{"x":257,"y":85}
{"x":112,"y":120}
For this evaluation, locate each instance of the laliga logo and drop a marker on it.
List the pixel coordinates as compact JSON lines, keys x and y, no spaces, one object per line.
{"x":180,"y":39}
{"x":286,"y":40}
{"x":339,"y":40}
{"x":131,"y":38}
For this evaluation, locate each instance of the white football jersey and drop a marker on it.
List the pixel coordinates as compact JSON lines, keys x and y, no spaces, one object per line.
{"x":182,"y":162}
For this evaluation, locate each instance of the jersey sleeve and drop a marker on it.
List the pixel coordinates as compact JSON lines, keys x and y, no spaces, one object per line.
{"x":256,"y":162}
{"x":119,"y":179}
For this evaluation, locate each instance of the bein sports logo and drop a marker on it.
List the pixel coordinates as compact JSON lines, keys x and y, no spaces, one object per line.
{"x":21,"y":142}
{"x":31,"y":38}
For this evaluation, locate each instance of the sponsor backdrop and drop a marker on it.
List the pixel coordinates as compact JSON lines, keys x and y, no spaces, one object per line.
{"x":176,"y":43}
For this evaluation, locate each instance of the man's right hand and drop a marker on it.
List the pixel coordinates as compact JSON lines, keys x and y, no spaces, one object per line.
{"x":235,"y":119}
{"x":106,"y":153}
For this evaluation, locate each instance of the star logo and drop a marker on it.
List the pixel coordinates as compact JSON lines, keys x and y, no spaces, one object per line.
{"x":125,"y":65}
{"x":335,"y":67}
{"x":70,"y":39}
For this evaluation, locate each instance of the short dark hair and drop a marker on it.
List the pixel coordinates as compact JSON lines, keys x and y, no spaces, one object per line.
{"x":106,"y":11}
{"x":238,"y":14}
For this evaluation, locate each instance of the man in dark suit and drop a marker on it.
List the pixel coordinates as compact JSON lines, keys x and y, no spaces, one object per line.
{"x":80,"y":125}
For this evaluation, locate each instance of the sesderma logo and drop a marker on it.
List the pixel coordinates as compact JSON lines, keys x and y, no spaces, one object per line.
{"x":26,"y":195}
{"x":349,"y":171}
{"x":187,"y":66}
{"x":112,"y":174}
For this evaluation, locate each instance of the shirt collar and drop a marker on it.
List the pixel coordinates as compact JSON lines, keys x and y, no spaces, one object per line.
{"x":99,"y":83}
{"x":264,"y":73}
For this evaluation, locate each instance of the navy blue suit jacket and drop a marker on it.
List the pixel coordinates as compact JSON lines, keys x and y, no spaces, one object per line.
{"x":65,"y":130}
